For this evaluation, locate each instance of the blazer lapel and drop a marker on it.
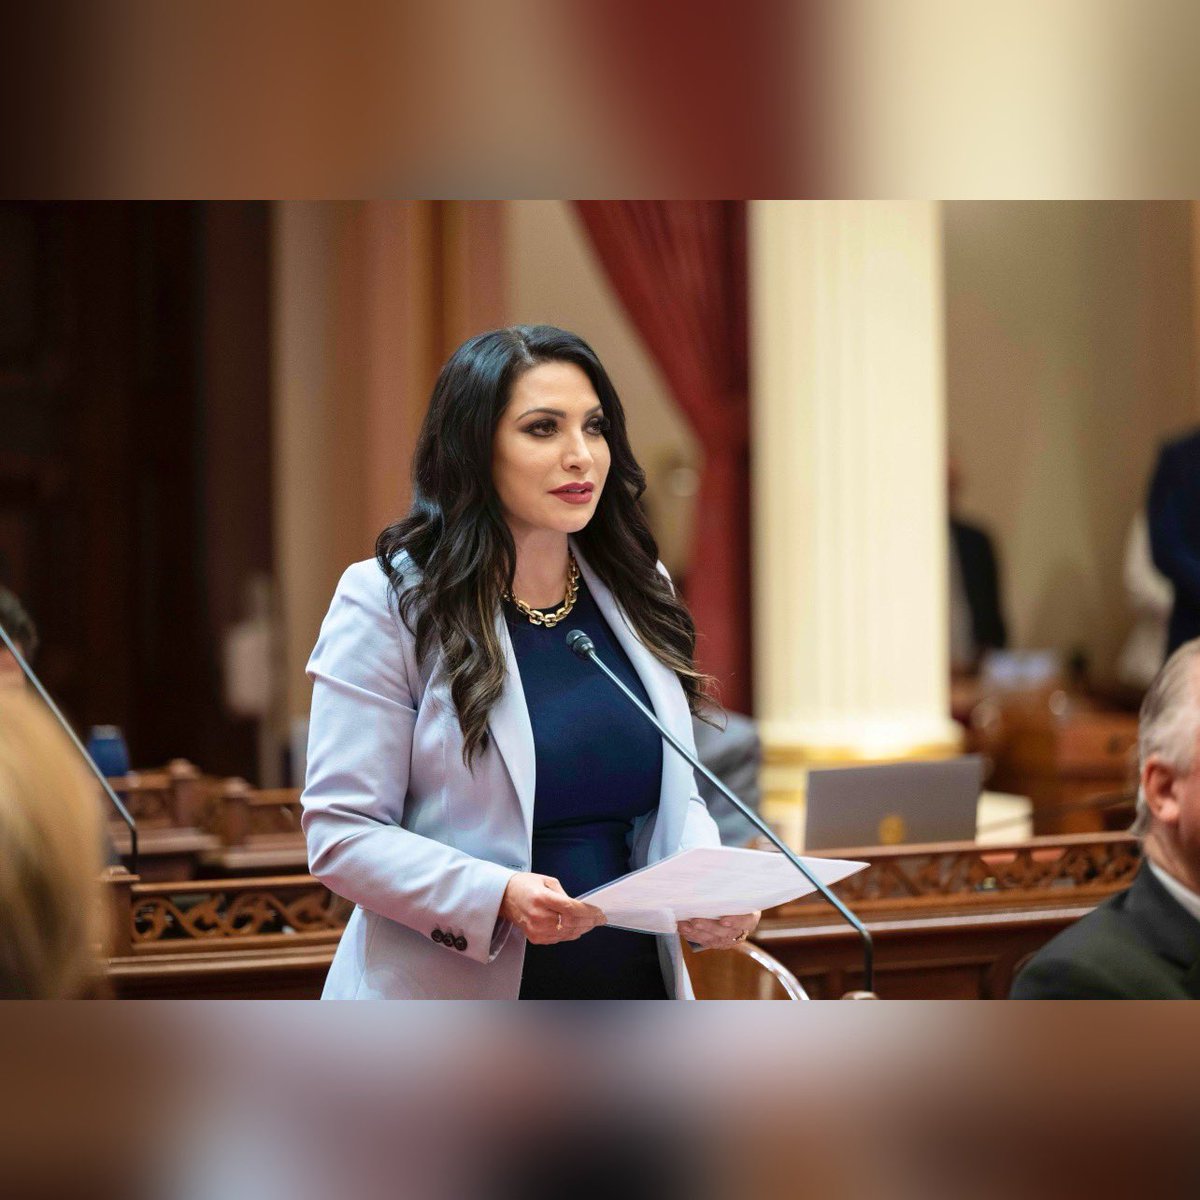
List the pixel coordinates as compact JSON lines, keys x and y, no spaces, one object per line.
{"x":509,"y":722}
{"x":509,"y":725}
{"x":669,"y":705}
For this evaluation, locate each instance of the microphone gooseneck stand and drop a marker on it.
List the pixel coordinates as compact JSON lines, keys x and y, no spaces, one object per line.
{"x":581,"y":645}
{"x":87,"y":758}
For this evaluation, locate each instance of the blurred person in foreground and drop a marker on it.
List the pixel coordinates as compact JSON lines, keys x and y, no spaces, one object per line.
{"x":1144,"y":944}
{"x":18,"y":625}
{"x":467,"y":773}
{"x":52,"y":914}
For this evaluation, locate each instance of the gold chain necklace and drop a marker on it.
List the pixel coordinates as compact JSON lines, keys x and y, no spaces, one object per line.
{"x":551,"y":619}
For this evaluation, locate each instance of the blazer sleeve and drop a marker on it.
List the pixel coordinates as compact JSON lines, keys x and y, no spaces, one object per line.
{"x":699,"y":829}
{"x":364,"y":711}
{"x":1050,"y":978}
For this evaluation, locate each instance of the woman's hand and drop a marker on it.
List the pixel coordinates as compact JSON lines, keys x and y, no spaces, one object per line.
{"x":720,"y":933}
{"x":545,"y":914}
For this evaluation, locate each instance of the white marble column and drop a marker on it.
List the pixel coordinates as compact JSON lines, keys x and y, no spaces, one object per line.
{"x":850,"y":532}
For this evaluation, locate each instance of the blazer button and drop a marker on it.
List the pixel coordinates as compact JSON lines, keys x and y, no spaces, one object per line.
{"x":460,"y":942}
{"x":438,"y":936}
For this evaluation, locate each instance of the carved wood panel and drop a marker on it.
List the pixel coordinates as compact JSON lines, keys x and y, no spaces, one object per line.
{"x":244,"y":911}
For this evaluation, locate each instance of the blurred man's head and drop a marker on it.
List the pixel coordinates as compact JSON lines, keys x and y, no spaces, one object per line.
{"x":20,"y":628}
{"x":1168,"y":820}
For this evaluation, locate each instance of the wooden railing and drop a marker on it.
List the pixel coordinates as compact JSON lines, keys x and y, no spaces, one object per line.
{"x":271,"y":937}
{"x":1069,"y":868}
{"x":225,"y":914}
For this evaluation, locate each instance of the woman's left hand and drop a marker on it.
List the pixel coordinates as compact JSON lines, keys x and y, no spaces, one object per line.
{"x":720,"y":933}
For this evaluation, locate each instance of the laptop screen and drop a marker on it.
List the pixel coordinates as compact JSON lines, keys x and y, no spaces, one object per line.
{"x":893,"y":803}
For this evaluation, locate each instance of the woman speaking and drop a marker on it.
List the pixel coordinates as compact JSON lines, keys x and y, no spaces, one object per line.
{"x":467,"y":774}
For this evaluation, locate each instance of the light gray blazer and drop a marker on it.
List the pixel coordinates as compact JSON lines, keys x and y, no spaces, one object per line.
{"x":424,"y":847}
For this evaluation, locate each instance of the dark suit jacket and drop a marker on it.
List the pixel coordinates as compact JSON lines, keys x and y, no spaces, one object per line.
{"x":1173,"y":511}
{"x":981,"y":581}
{"x":1139,"y":945}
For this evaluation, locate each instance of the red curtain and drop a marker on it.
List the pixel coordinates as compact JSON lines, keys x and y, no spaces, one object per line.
{"x":679,"y":268}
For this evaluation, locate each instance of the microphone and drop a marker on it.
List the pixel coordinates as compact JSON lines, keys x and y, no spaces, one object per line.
{"x":28,"y":672}
{"x":582,"y":646}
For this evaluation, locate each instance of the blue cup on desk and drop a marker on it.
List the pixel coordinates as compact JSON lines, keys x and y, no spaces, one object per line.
{"x":106,"y":748}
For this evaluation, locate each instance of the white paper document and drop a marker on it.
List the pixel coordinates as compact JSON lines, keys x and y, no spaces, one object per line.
{"x":709,"y":881}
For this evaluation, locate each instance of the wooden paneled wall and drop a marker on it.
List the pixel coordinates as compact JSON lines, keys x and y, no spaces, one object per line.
{"x":134,"y":457}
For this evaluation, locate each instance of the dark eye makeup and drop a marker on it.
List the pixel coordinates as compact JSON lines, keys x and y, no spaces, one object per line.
{"x":598,"y":424}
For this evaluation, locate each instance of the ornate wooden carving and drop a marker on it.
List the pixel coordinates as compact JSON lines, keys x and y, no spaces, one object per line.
{"x":237,"y":910}
{"x":1071,"y":869}
{"x":950,"y":920}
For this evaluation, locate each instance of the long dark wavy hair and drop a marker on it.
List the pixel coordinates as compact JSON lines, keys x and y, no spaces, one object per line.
{"x":455,"y":531}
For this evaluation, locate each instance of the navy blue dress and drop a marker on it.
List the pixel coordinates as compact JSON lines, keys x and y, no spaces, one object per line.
{"x":599,"y":766}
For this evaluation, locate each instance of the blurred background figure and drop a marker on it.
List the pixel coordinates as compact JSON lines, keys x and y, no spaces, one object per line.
{"x":976,"y":620}
{"x":1151,"y":597}
{"x":732,"y":751}
{"x":52,"y":919}
{"x":1174,"y":516}
{"x":20,"y":628}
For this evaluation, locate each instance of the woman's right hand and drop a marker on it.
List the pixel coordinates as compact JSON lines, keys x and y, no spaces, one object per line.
{"x":544,"y":913}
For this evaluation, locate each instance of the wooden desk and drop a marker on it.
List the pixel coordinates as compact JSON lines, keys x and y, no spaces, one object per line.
{"x":165,"y":854}
{"x":947,"y":955}
{"x":1064,"y":755}
{"x":259,"y":831}
{"x":167,"y":806}
{"x":951,"y":921}
{"x":283,"y":973}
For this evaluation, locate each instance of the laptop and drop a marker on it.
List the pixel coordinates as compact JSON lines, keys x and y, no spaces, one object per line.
{"x":893,"y":804}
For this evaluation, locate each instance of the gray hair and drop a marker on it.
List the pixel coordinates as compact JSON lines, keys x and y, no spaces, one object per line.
{"x":1169,"y":722}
